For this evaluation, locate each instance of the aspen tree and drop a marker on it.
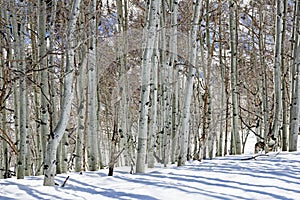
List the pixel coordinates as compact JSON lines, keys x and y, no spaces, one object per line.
{"x":5,"y":54}
{"x":174,"y":68}
{"x":222,"y":69}
{"x":145,"y":86}
{"x":122,"y":49}
{"x":154,"y":110}
{"x":18,"y":23}
{"x":55,"y":137}
{"x":264,"y":92}
{"x":3,"y":129}
{"x":92,"y":136}
{"x":166,"y":86}
{"x":284,"y":76}
{"x":189,"y":85}
{"x":277,"y":72}
{"x":295,"y":86}
{"x":236,"y":140}
{"x":38,"y":153}
{"x":81,"y":98}
{"x":44,"y":86}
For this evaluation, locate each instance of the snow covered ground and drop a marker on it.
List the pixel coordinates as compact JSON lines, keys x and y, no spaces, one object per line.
{"x":276,"y":176}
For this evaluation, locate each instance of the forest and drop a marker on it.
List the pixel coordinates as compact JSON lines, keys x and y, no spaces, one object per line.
{"x":93,"y":84}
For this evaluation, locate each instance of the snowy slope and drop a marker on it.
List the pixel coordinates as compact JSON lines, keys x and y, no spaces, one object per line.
{"x":276,"y":176}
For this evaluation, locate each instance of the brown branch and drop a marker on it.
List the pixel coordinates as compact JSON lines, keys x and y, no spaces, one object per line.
{"x":250,"y":128}
{"x":9,"y":141}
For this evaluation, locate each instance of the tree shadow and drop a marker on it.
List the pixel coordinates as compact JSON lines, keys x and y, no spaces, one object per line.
{"x":34,"y":193}
{"x":106,"y":192}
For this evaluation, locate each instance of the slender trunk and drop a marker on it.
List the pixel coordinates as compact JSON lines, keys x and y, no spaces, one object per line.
{"x":284,"y":76}
{"x":123,"y":79}
{"x":42,"y":56}
{"x":55,"y":137}
{"x":173,"y":60}
{"x":189,"y":85}
{"x":166,"y":84}
{"x":20,"y":98}
{"x":114,"y":141}
{"x":236,"y":140}
{"x":264,"y":76}
{"x":28,"y":156}
{"x":153,"y":116}
{"x":295,"y":86}
{"x":222,"y":103}
{"x":81,"y":89}
{"x":227,"y":108}
{"x":145,"y":88}
{"x":4,"y":165}
{"x":206,"y":119}
{"x":38,"y":153}
{"x":277,"y":73}
{"x":92,"y":136}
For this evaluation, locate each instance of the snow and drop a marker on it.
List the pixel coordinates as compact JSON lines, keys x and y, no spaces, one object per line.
{"x":276,"y":176}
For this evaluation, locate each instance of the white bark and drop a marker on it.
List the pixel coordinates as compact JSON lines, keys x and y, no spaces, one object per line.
{"x":42,"y":52}
{"x":295,"y":88}
{"x":81,"y":97}
{"x":166,"y":85}
{"x":122,"y":48}
{"x":264,"y":83}
{"x":172,"y":62}
{"x":153,"y":116}
{"x":236,"y":140}
{"x":15,"y":88}
{"x":284,"y":71}
{"x":22,"y":116}
{"x":222,"y":90}
{"x":277,"y":72}
{"x":20,"y":95}
{"x":189,"y":85}
{"x":3,"y":144}
{"x":296,"y":107}
{"x":92,"y":136}
{"x":55,"y":137}
{"x":145,"y":87}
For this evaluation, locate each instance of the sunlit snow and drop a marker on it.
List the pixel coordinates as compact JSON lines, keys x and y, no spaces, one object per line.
{"x":276,"y":176}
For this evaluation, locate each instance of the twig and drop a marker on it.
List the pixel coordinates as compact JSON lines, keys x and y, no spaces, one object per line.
{"x":7,"y":139}
{"x":63,"y":185}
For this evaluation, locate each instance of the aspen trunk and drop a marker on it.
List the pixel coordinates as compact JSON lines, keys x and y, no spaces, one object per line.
{"x":42,"y":56}
{"x":295,"y":86}
{"x":222,"y":75}
{"x":189,"y":85}
{"x":277,"y":73}
{"x":145,"y":88}
{"x":55,"y":137}
{"x":236,"y":140}
{"x":92,"y":136}
{"x":81,"y":88}
{"x":153,"y":116}
{"x":284,"y":75}
{"x":172,"y":63}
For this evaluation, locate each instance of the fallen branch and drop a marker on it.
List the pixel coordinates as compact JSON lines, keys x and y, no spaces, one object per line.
{"x":63,"y":185}
{"x":254,"y":157}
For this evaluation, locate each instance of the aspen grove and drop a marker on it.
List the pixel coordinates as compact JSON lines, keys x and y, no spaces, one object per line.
{"x":90,"y":84}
